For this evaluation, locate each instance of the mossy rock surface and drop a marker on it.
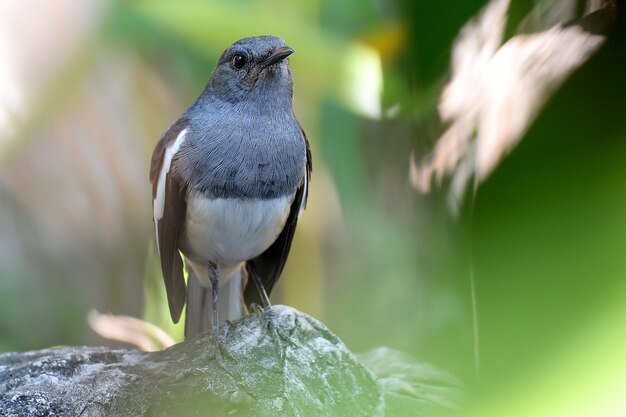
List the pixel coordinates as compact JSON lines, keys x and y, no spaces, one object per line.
{"x":284,"y":364}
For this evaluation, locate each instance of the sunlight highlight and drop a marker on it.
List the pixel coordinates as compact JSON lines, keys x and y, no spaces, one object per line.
{"x":363,"y":81}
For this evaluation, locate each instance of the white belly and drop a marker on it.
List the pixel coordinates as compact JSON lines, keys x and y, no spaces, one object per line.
{"x":230,"y":231}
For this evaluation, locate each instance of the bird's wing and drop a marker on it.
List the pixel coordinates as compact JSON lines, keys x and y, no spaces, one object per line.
{"x":270,"y":263}
{"x":169,"y":207}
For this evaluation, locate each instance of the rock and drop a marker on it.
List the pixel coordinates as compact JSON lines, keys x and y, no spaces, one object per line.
{"x":287,"y":364}
{"x":283,"y":363}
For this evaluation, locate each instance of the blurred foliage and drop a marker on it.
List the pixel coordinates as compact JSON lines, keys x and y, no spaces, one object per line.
{"x":377,"y":262}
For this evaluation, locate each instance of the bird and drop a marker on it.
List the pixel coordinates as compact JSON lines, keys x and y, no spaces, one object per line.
{"x":230,"y":178}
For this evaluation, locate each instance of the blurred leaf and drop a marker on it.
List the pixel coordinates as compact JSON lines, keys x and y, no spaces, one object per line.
{"x":550,"y":231}
{"x":412,"y":388}
{"x":585,"y":376}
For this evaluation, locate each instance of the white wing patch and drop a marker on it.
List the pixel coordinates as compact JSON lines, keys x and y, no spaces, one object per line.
{"x":304,"y":195}
{"x":158,"y":205}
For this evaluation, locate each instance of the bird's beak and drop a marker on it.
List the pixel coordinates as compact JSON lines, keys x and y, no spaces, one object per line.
{"x":278,"y":55}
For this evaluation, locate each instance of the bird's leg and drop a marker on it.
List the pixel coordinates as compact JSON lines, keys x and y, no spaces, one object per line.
{"x":214,"y":276}
{"x":268,"y":314}
{"x":259,"y":286}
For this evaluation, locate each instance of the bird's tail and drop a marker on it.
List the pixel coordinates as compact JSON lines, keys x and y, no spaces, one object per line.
{"x":199,"y":312}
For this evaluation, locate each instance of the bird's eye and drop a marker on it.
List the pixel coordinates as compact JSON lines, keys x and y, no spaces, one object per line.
{"x":239,"y":61}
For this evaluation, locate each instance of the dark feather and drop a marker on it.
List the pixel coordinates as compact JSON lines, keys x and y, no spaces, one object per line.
{"x":171,"y":224}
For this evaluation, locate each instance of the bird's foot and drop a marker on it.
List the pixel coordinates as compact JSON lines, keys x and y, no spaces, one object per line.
{"x":265,"y":314}
{"x":271,"y":329}
{"x":221,"y":353}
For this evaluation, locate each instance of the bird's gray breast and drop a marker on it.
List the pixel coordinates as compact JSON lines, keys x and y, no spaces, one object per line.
{"x":251,"y":158}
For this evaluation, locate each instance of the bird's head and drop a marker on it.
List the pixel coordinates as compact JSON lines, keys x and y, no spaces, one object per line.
{"x":253,"y":68}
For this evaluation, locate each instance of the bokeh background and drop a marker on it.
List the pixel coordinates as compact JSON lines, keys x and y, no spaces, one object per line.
{"x":519,"y":289}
